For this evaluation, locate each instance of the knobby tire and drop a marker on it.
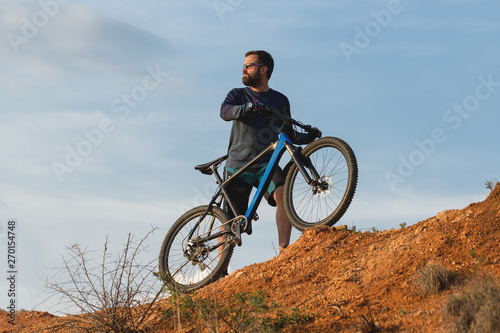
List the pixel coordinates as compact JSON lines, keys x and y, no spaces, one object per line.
{"x":178,"y":269}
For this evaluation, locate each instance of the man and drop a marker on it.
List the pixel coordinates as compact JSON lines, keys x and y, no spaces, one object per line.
{"x":252,"y":132}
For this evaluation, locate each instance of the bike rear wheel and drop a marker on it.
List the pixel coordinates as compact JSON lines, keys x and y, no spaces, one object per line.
{"x":310,"y":205}
{"x":190,"y":263}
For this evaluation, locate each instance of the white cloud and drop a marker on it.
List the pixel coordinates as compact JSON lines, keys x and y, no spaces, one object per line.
{"x":77,"y":41}
{"x":32,"y":140}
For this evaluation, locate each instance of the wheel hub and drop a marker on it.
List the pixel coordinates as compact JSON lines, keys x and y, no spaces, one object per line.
{"x":196,"y":252}
{"x":323,"y":187}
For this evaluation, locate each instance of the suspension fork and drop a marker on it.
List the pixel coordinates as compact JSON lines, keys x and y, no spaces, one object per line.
{"x":302,"y":162}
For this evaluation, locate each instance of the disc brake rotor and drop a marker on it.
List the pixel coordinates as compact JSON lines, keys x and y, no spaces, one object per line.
{"x":325,"y":187}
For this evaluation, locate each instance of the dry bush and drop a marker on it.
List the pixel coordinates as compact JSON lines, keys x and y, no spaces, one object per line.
{"x":433,"y":278}
{"x":477,"y":310}
{"x":368,"y":324}
{"x":116,"y":295}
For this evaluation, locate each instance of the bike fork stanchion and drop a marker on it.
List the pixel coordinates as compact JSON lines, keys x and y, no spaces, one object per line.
{"x":295,"y":153}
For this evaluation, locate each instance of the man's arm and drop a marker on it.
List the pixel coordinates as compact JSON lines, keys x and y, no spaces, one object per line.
{"x":233,"y":107}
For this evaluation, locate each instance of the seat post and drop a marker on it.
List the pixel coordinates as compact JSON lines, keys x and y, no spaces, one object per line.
{"x":218,"y":178}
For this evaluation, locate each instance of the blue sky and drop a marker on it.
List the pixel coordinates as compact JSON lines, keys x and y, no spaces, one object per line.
{"x":108,"y":105}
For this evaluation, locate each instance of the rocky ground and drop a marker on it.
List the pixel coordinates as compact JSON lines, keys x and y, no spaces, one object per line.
{"x":351,"y":281}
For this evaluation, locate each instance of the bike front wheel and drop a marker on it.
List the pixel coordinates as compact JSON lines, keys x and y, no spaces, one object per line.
{"x":194,"y":253}
{"x":309,"y":205}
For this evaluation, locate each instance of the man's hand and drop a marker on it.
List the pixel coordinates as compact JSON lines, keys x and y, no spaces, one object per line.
{"x":256,"y":106}
{"x":313,"y":134}
{"x":260,"y":108}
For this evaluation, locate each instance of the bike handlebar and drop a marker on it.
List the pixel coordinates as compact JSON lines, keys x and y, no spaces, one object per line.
{"x":286,"y":120}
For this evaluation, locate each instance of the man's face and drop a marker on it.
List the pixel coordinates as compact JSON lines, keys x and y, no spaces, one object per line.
{"x":252,"y":75}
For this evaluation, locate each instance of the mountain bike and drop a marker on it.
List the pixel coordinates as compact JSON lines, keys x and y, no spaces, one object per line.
{"x":320,"y":181}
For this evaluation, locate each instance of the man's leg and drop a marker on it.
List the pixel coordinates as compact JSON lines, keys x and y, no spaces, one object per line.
{"x":284,"y":226}
{"x":239,"y":192}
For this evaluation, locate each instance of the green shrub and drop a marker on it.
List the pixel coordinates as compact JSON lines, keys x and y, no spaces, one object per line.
{"x":247,"y":312}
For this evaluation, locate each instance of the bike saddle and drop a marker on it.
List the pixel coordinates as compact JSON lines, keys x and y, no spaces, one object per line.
{"x":205,"y":168}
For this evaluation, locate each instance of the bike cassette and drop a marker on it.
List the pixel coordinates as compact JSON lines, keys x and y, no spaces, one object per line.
{"x":196,"y":252}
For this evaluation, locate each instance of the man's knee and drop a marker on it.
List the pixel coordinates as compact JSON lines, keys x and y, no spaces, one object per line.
{"x":278,"y":193}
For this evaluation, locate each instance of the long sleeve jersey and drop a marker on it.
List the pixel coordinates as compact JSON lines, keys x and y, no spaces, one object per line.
{"x":251,"y":133}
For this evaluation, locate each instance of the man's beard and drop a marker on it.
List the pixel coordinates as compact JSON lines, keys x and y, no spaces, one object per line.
{"x":250,"y":81}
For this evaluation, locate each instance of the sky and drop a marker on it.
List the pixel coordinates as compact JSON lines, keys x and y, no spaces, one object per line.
{"x":108,"y":105}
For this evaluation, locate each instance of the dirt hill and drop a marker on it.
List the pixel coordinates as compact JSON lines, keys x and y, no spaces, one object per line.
{"x":348,"y":279}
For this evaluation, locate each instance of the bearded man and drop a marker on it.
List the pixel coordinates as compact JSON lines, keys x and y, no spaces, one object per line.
{"x":251,"y":133}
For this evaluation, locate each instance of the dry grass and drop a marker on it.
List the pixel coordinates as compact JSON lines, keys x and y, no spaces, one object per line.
{"x":434,"y":278}
{"x":477,"y":310}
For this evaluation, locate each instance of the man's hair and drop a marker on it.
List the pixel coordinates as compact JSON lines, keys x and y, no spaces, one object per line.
{"x":264,"y":59}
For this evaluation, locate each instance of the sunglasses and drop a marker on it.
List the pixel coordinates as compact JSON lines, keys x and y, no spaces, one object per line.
{"x":251,"y":64}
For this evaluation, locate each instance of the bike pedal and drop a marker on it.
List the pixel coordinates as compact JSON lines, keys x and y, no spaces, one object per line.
{"x":235,"y":241}
{"x":256,"y":217}
{"x":237,"y":234}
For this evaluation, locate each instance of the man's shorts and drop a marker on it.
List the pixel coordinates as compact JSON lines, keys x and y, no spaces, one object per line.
{"x":239,"y":189}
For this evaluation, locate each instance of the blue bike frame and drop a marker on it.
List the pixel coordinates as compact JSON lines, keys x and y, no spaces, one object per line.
{"x":279,"y":149}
